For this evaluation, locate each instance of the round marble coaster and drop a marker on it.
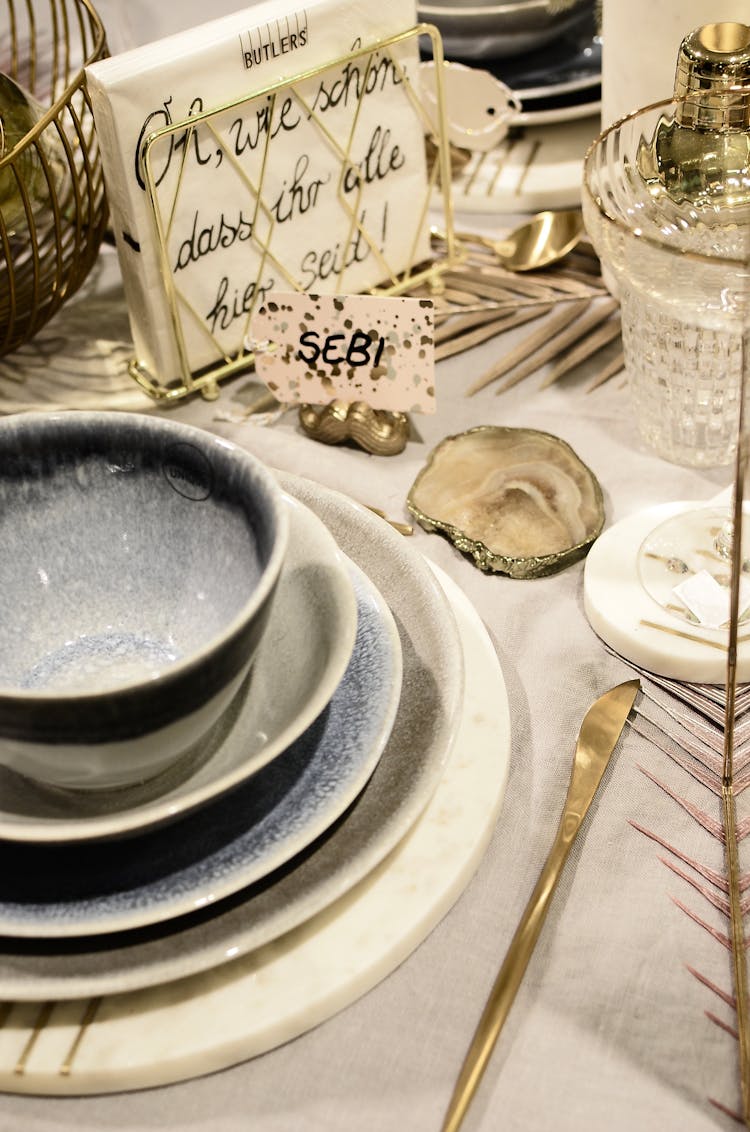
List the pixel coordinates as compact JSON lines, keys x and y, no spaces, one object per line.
{"x":220,"y":1017}
{"x":623,"y":613}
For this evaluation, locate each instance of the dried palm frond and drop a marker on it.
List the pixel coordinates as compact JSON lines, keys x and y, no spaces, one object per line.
{"x":478,"y":299}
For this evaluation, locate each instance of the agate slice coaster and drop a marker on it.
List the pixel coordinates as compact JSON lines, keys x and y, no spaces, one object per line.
{"x":518,"y":501}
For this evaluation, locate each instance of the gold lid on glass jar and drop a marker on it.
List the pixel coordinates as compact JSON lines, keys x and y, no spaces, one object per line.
{"x":713,"y":78}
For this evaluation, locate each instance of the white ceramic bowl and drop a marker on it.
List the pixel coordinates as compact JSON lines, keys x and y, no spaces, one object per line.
{"x":140,"y":558}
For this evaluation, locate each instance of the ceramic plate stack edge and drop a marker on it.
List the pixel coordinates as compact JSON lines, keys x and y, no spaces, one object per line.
{"x":233,"y":842}
{"x":214,"y":1020}
{"x":401,"y":785}
{"x":539,"y":164}
{"x":275,"y":812}
{"x":315,"y":935}
{"x":300,"y":662}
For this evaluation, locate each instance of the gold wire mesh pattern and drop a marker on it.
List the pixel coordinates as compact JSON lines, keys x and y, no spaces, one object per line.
{"x":394,"y":282}
{"x":49,"y":246}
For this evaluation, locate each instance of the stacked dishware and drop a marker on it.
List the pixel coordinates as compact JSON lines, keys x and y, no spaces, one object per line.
{"x":233,"y":721}
{"x":547,"y":57}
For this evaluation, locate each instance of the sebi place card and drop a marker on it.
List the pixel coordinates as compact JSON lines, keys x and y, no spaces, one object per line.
{"x":372,"y":348}
{"x":225,"y":186}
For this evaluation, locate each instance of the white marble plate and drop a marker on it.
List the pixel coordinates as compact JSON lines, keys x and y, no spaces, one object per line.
{"x":66,"y":890}
{"x":301,"y":659}
{"x":398,"y":791}
{"x":213,"y":1020}
{"x":571,"y":62}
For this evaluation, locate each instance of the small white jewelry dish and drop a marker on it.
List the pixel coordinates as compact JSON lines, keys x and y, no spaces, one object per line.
{"x":629,"y":607}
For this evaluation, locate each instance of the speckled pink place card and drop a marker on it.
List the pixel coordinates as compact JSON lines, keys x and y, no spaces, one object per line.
{"x":373,"y":348}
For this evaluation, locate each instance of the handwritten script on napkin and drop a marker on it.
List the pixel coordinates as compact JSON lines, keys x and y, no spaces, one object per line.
{"x":357,"y":347}
{"x":319,"y":185}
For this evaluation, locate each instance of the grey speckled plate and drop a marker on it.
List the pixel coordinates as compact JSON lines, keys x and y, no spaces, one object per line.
{"x":69,"y":891}
{"x":403,"y":782}
{"x":301,"y":659}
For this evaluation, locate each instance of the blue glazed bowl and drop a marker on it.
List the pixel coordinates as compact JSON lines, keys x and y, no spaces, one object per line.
{"x":139,"y":561}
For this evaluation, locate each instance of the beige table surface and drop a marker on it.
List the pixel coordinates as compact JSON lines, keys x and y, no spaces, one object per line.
{"x":609,"y":1029}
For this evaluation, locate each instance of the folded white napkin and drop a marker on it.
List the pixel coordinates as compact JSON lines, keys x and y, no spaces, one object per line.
{"x":326,"y":181}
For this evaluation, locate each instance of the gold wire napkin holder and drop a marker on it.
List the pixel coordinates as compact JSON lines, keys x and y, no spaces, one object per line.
{"x":380,"y":432}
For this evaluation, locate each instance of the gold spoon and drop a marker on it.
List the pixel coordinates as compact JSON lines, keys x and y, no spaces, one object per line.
{"x":544,"y":239}
{"x":600,"y":730}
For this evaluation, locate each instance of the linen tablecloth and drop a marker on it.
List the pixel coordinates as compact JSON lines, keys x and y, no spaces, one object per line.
{"x":610,"y":1028}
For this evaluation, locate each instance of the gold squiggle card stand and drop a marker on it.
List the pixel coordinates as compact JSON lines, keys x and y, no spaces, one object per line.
{"x":324,"y":180}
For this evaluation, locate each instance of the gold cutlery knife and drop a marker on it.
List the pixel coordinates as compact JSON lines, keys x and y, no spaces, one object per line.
{"x":600,"y":730}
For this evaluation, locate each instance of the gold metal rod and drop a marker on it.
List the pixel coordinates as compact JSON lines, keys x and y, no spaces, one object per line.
{"x":527,"y":166}
{"x":89,"y":1014}
{"x":736,"y":921}
{"x":508,"y":145}
{"x":475,"y":171}
{"x":42,"y":1018}
{"x":600,"y":730}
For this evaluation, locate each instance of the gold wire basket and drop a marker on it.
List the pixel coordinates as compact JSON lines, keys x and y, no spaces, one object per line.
{"x":53,"y":209}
